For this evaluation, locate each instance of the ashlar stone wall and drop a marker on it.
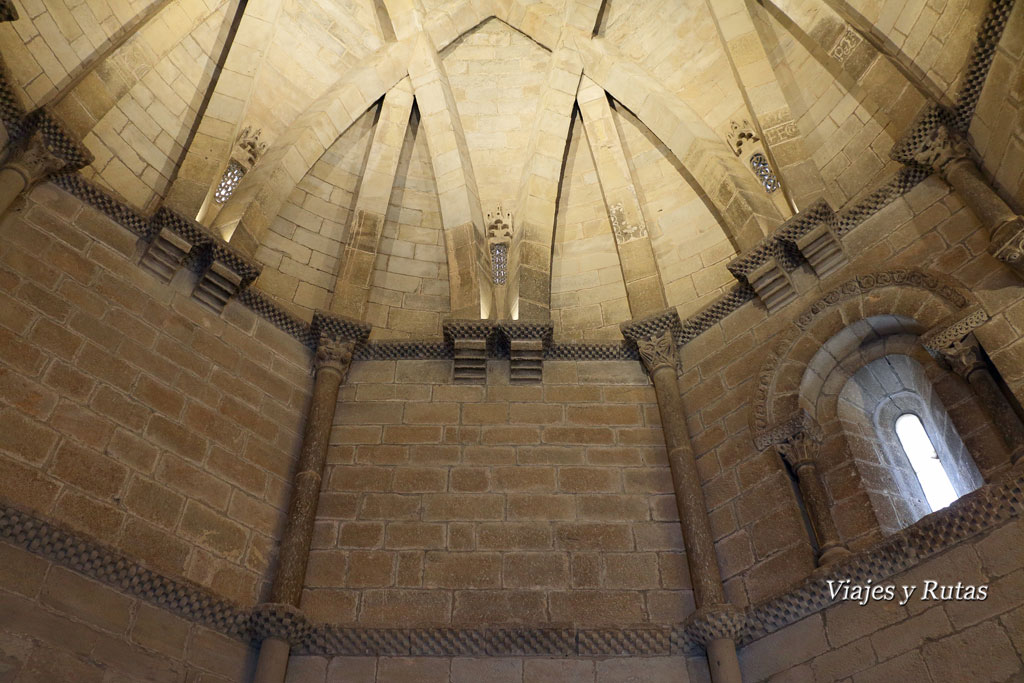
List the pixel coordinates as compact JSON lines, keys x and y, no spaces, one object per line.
{"x":134,"y":415}
{"x":61,"y":626}
{"x":466,"y":505}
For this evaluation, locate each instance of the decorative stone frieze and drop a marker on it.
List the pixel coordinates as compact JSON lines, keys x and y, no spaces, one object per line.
{"x":470,"y":340}
{"x":281,"y":621}
{"x":938,"y":339}
{"x":976,"y":513}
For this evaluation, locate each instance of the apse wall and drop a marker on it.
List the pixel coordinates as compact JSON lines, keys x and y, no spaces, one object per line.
{"x":132,"y":414}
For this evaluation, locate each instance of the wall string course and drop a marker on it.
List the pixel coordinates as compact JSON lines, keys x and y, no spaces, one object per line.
{"x":974,"y":514}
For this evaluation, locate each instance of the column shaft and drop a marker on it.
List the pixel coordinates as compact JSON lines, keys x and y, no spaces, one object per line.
{"x":332,"y":360}
{"x":966,"y":179}
{"x":723,"y":663}
{"x":693,"y":511}
{"x":12,"y":183}
{"x":813,"y":491}
{"x":298,"y":533}
{"x":999,"y":409}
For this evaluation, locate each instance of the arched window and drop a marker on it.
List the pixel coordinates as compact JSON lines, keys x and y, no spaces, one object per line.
{"x":935,"y":483}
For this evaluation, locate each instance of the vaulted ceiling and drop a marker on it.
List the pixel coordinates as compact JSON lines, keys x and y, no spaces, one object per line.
{"x":392,"y":133}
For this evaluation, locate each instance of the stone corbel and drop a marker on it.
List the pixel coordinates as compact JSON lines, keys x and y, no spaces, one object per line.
{"x":527,"y":342}
{"x":823,"y":249}
{"x":176,"y":242}
{"x":223,"y":275}
{"x":470,"y":340}
{"x":165,"y":253}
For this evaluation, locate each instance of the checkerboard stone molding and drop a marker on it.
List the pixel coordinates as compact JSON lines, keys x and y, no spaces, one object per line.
{"x":8,"y":12}
{"x":972,"y":515}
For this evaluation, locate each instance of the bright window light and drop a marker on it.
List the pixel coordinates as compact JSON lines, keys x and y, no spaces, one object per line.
{"x":919,"y":449}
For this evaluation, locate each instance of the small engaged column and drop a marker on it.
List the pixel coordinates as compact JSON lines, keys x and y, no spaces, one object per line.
{"x":965,"y":359}
{"x":946,"y":153}
{"x":800,"y":452}
{"x":280,"y":622}
{"x":716,"y":623}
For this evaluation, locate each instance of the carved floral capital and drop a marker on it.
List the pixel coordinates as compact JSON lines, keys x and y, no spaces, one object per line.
{"x":33,"y":160}
{"x":658,"y":351}
{"x":800,"y":448}
{"x":941,"y":148}
{"x":964,"y":356}
{"x":334,"y":355}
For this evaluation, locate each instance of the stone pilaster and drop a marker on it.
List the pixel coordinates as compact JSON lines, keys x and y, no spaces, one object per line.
{"x":655,"y":338}
{"x":957,"y":346}
{"x":337,"y":339}
{"x":798,"y":442}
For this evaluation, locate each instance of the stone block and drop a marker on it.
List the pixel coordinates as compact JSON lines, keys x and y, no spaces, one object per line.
{"x":78,"y":597}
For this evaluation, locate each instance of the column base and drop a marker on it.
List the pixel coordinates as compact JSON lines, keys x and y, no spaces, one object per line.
{"x":832,"y":555}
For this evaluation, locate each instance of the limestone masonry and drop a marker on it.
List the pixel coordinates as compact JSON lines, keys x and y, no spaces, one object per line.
{"x":512,"y":341}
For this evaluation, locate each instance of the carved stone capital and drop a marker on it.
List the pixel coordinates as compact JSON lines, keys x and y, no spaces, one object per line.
{"x":800,"y":448}
{"x":334,"y":355}
{"x":964,"y":356}
{"x":1007,"y":242}
{"x":34,"y":160}
{"x":940,"y":148}
{"x":657,"y":338}
{"x":279,"y":620}
{"x":658,"y":351}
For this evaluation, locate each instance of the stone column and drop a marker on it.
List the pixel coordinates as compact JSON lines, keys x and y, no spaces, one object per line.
{"x":949,"y":155}
{"x":331,"y":365}
{"x":29,"y":162}
{"x":657,"y":346}
{"x":800,"y":451}
{"x":965,"y":359}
